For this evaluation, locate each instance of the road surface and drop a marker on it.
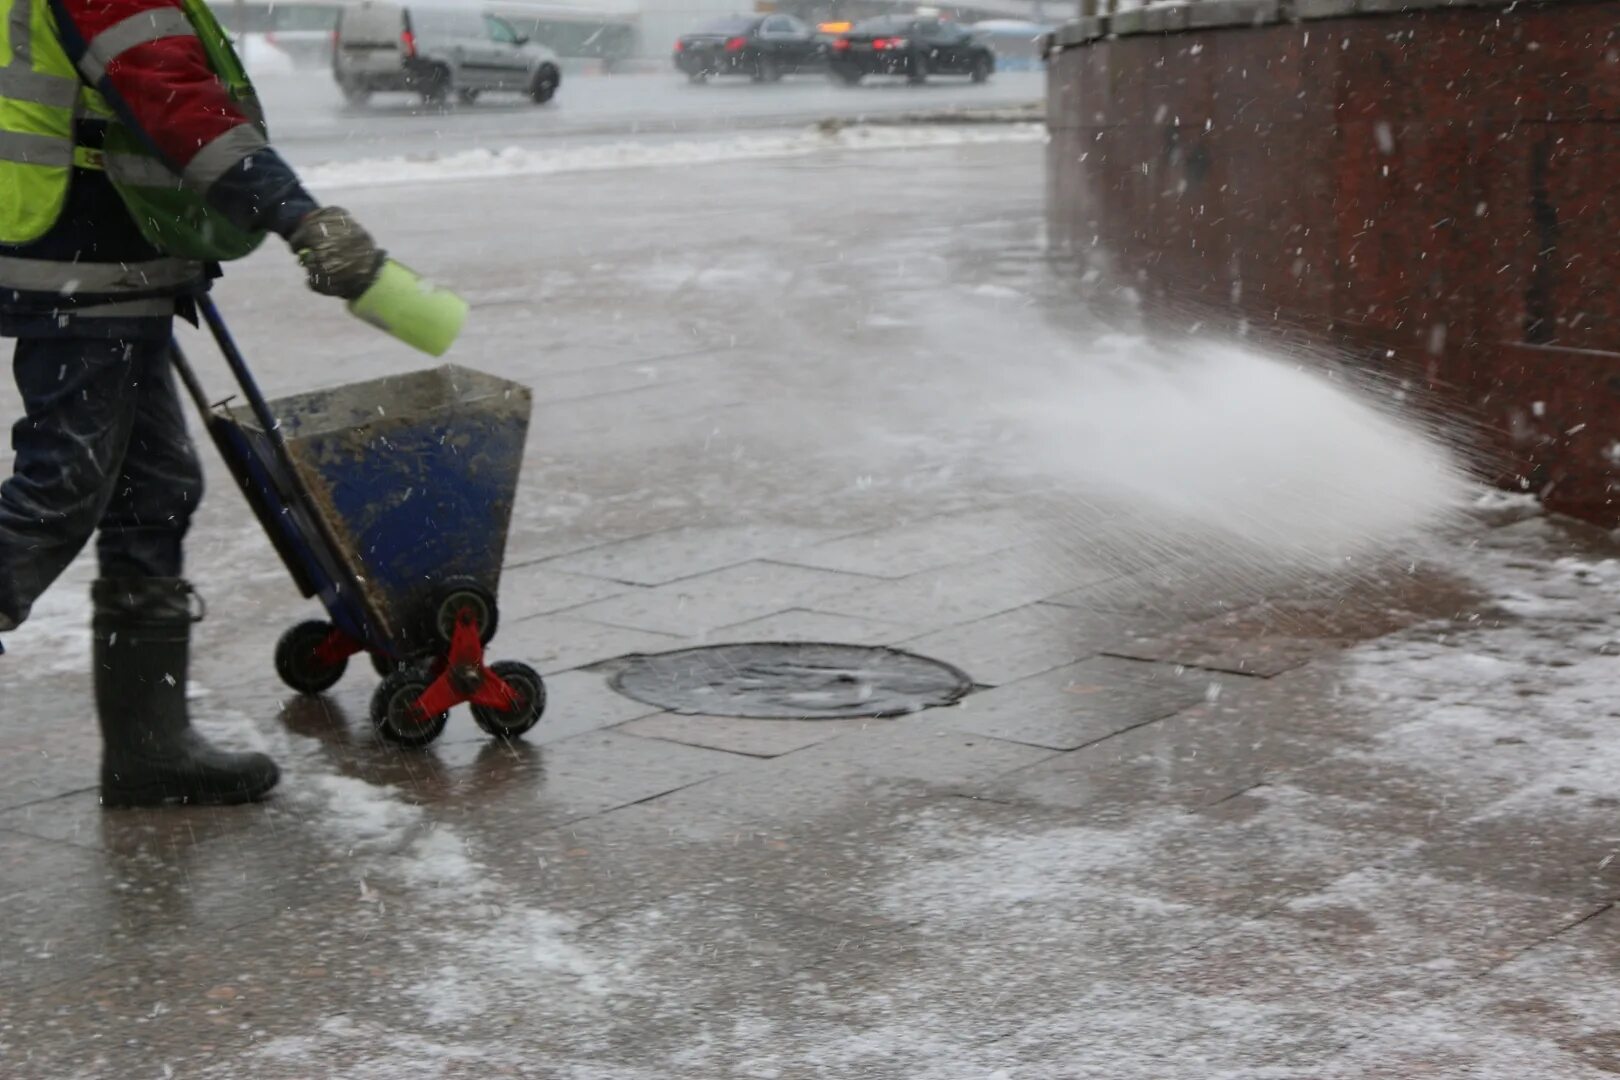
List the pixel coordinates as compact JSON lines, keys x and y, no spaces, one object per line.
{"x":311,"y":123}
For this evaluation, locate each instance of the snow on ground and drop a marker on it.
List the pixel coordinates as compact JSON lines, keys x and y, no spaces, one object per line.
{"x":519,"y":161}
{"x":1536,"y":691}
{"x":978,"y":899}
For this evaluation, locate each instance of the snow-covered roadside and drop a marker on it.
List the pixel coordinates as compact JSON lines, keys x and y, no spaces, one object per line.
{"x":483,"y":941}
{"x":517,"y":161}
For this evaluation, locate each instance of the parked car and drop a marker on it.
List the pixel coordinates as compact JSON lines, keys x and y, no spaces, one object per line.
{"x":436,"y":52}
{"x":909,"y":46}
{"x":763,"y":47}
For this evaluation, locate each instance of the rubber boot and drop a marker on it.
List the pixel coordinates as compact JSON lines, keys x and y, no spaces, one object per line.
{"x":151,"y":756}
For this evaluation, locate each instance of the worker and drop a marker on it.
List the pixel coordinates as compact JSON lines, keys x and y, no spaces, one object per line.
{"x":133,"y":160}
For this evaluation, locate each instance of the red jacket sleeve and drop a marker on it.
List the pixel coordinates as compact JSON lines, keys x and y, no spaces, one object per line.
{"x":148,"y":62}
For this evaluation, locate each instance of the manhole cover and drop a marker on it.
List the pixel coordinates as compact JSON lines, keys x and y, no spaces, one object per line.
{"x":779,"y":681}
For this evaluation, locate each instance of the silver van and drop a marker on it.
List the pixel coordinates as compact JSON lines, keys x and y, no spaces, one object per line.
{"x":436,"y":51}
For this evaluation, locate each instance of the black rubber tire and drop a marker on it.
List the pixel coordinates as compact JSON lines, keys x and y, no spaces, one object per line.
{"x":436,"y":91}
{"x":467,"y":96}
{"x":918,"y":74}
{"x":767,"y":70}
{"x":384,"y":666}
{"x":453,"y":597}
{"x":532,"y":688}
{"x":981,"y":70}
{"x":846,"y":78}
{"x":393,"y":704}
{"x":296,"y":663}
{"x":357,"y":96}
{"x":697,"y":78}
{"x":544,"y":86}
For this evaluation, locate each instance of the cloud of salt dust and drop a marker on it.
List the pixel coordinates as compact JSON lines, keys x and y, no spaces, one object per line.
{"x":1220,"y":444}
{"x":1151,"y":449}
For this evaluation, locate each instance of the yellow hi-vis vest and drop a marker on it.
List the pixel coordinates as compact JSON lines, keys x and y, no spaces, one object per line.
{"x":42,"y":97}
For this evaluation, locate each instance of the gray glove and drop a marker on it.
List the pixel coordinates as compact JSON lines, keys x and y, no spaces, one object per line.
{"x":339,"y":256}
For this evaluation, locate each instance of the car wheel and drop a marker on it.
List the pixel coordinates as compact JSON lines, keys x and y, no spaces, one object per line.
{"x":917,"y":71}
{"x":766,"y":70}
{"x":436,"y":88}
{"x":697,"y":78}
{"x":355,"y":94}
{"x":845,"y":78}
{"x":466,"y":96}
{"x":981,"y":69}
{"x":544,"y":87}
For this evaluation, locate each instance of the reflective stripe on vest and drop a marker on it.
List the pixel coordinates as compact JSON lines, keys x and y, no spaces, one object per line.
{"x":67,"y":278}
{"x":19,"y":80}
{"x":29,"y":149}
{"x":142,"y":28}
{"x":218,"y":157}
{"x":139,"y":170}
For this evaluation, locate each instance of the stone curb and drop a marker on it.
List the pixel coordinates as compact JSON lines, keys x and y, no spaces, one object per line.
{"x":1032,"y":113}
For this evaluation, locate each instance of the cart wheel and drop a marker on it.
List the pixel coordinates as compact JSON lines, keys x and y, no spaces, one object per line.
{"x":394,"y":711}
{"x":461,"y":595}
{"x":296,"y":662}
{"x":531,"y":691}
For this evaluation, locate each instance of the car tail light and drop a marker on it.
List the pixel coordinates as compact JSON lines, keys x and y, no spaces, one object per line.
{"x":680,"y":46}
{"x":889,"y":43}
{"x":736,"y":44}
{"x":841,"y":45}
{"x":407,"y":43}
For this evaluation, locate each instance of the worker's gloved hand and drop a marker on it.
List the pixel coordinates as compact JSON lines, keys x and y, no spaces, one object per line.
{"x":339,"y":256}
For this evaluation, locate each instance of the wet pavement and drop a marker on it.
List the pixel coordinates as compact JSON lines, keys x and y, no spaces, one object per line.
{"x":312,"y":124}
{"x":1193,"y":821}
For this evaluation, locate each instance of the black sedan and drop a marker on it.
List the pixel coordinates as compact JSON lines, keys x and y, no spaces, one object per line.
{"x":762,"y":47}
{"x":909,"y":46}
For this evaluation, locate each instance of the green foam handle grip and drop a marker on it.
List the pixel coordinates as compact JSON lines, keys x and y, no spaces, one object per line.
{"x":414,"y":310}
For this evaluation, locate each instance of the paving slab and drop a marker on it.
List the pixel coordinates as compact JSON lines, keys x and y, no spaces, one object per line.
{"x":52,"y":758}
{"x":558,"y":643}
{"x":1077,"y":704}
{"x":1027,"y":641}
{"x":1187,"y":760}
{"x":1548,"y":1011}
{"x":756,"y":738}
{"x":1185,"y":591}
{"x":538,"y":590}
{"x":687,"y":551}
{"x":720,"y":598}
{"x":812,"y":626}
{"x":964,"y":592}
{"x":902,"y":550}
{"x":1265,"y":639}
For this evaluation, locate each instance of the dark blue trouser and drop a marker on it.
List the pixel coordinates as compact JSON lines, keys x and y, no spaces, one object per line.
{"x":103,"y":445}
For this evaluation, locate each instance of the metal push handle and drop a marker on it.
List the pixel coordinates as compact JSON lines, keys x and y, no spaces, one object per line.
{"x":297,"y":489}
{"x":239,"y":369}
